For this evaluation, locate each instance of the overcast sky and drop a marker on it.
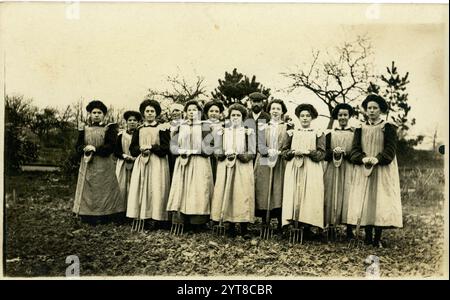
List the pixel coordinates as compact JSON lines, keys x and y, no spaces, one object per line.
{"x":116,"y":51}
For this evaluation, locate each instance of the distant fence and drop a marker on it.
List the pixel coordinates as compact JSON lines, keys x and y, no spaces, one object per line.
{"x":40,"y":168}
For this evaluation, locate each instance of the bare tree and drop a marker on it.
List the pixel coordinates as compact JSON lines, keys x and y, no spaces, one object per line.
{"x":182,"y":91}
{"x":434,"y":139}
{"x":341,"y":77}
{"x":78,"y":109}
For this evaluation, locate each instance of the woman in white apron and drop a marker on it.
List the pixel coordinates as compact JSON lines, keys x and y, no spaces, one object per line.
{"x":97,"y":196}
{"x":192,"y":183}
{"x":234,"y":191}
{"x":303,"y":189}
{"x":374,"y":199}
{"x":176,"y":117}
{"x":213,"y":111}
{"x":339,"y":170}
{"x":125,"y":160}
{"x":150,"y":182}
{"x":269,"y":165}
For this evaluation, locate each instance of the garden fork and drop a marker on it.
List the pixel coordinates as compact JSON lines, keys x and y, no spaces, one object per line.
{"x":177,"y":227}
{"x":138,"y":223}
{"x":267,"y":229}
{"x":357,"y":242}
{"x":332,"y":231}
{"x":219,"y":229}
{"x":296,"y":233}
{"x":296,"y":230}
{"x":87,"y":157}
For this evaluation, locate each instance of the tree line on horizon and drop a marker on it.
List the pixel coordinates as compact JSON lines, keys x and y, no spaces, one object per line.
{"x":343,"y":76}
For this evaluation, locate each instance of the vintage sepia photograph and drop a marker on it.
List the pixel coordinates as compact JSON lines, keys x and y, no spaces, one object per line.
{"x":161,"y":140}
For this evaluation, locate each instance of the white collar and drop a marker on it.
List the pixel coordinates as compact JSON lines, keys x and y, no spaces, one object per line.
{"x":373,"y":124}
{"x":153,"y":123}
{"x":256,"y":116}
{"x":347,"y":128}
{"x":305,"y":129}
{"x":272,"y":122}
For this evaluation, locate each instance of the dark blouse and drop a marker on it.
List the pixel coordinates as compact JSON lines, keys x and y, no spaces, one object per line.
{"x":108,"y":145}
{"x":211,"y":139}
{"x":161,"y":149}
{"x":118,"y":150}
{"x":389,"y":148}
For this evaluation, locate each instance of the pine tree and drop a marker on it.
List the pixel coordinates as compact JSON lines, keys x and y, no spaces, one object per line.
{"x":394,"y":92}
{"x":236,"y":86}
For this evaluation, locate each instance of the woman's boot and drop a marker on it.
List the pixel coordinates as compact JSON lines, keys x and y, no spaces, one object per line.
{"x":377,"y":240}
{"x":369,"y":235}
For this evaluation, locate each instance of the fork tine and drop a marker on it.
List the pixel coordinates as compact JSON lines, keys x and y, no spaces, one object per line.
{"x":142,"y":225}
{"x":296,"y":235}
{"x":219,"y":229}
{"x":356,"y":242}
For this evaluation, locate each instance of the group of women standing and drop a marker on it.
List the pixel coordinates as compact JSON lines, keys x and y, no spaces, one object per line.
{"x":196,"y":169}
